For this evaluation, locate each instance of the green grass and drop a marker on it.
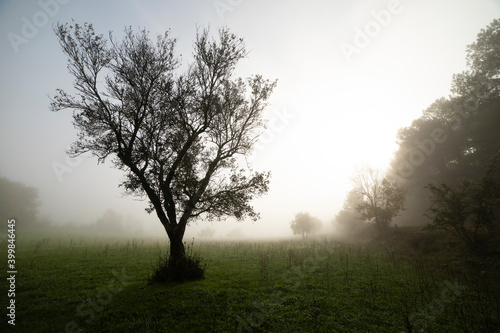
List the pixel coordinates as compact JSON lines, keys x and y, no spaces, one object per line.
{"x":97,"y":284}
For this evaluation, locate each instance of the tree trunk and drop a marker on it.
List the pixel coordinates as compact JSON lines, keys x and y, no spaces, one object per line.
{"x":177,"y":251}
{"x":180,"y":267}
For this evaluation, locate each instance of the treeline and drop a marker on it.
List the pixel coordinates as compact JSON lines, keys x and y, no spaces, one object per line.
{"x":456,"y":138}
{"x":447,"y":160}
{"x":21,"y":202}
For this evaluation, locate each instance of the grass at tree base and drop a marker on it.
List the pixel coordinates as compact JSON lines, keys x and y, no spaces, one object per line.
{"x":188,"y":268}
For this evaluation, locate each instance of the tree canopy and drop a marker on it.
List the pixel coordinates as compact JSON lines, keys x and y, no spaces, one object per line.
{"x":470,"y":209}
{"x":304,"y":224}
{"x":456,"y":137}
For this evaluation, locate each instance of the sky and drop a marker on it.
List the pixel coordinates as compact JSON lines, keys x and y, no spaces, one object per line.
{"x":350,"y":74}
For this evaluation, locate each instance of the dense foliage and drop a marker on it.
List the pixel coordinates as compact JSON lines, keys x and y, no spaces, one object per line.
{"x":470,"y":209}
{"x":456,"y":137}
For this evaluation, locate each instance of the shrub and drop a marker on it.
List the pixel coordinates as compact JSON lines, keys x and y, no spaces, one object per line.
{"x":188,"y":268}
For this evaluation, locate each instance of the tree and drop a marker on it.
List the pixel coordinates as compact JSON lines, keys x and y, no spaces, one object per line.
{"x":110,"y":221}
{"x":481,"y":79}
{"x":207,"y":233}
{"x":456,"y":137}
{"x":179,"y":138}
{"x":348,"y":219}
{"x":20,"y":202}
{"x":304,"y":224}
{"x":469,"y":210}
{"x":382,"y":199}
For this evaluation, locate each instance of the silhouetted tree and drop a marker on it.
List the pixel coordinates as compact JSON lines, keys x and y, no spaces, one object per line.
{"x":178,"y":138}
{"x":456,"y":137}
{"x":382,"y":199}
{"x":469,"y":210}
{"x":304,"y":224}
{"x":480,"y":82}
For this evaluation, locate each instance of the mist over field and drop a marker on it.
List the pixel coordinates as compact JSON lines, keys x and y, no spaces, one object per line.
{"x":343,"y":93}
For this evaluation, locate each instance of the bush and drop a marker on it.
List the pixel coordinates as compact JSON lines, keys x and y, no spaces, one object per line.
{"x":469,"y":210}
{"x":188,"y":268}
{"x":428,"y":242}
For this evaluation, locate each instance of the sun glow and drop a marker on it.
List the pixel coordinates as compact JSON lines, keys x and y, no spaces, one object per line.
{"x":354,"y":119}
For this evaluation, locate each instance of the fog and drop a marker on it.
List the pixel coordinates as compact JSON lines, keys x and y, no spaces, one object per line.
{"x":340,"y":99}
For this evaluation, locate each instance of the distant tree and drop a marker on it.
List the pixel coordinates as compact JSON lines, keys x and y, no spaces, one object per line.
{"x":304,"y":224}
{"x":178,"y":138}
{"x":110,"y":221}
{"x":206,"y":233}
{"x":20,"y":202}
{"x":235,"y":234}
{"x":348,"y":219}
{"x":470,"y":210}
{"x":382,"y":199}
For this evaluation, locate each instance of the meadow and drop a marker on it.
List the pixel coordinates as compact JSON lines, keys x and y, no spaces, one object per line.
{"x":86,"y":283}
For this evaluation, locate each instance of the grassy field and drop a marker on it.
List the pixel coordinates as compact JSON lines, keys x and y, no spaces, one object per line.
{"x":97,"y":284}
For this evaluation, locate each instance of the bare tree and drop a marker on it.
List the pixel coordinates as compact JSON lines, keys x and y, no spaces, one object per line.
{"x":382,"y":199}
{"x":180,"y":139}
